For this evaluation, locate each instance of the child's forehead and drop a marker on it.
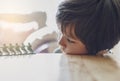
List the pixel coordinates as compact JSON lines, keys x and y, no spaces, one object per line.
{"x":69,"y":31}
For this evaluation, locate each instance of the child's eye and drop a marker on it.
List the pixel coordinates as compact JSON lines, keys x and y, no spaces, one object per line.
{"x":70,"y":41}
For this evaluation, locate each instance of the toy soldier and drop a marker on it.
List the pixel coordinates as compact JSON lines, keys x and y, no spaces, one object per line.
{"x":17,"y":48}
{"x":5,"y":49}
{"x":23,"y":49}
{"x":1,"y":52}
{"x":11,"y":49}
{"x":29,"y":48}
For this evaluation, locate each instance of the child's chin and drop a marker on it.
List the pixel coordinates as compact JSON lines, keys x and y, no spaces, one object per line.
{"x":68,"y":53}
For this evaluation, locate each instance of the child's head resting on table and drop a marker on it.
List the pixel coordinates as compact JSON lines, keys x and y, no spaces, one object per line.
{"x":88,"y":26}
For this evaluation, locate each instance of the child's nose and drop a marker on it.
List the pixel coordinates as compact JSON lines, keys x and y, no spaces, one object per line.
{"x":62,"y":41}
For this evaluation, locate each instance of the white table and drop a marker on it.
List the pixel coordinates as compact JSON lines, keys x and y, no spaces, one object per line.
{"x":58,"y":67}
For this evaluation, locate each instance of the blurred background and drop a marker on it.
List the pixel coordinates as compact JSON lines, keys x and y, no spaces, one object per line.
{"x":29,"y":22}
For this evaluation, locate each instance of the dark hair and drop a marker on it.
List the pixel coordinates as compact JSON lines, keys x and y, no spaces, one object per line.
{"x":97,"y":22}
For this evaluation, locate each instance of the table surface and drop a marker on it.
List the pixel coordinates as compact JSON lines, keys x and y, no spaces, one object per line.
{"x":58,"y":67}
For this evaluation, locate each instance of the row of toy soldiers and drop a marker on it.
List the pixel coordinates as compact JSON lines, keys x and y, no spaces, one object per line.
{"x":16,"y":49}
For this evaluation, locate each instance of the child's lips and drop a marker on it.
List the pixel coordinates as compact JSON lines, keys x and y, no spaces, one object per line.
{"x":62,"y":48}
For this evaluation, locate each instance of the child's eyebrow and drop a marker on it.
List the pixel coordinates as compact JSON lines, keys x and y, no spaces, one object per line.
{"x":70,"y":37}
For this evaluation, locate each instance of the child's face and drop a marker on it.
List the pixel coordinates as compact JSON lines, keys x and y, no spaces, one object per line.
{"x":71,"y":44}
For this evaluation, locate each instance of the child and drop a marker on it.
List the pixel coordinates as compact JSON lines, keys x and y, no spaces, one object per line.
{"x":88,"y":26}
